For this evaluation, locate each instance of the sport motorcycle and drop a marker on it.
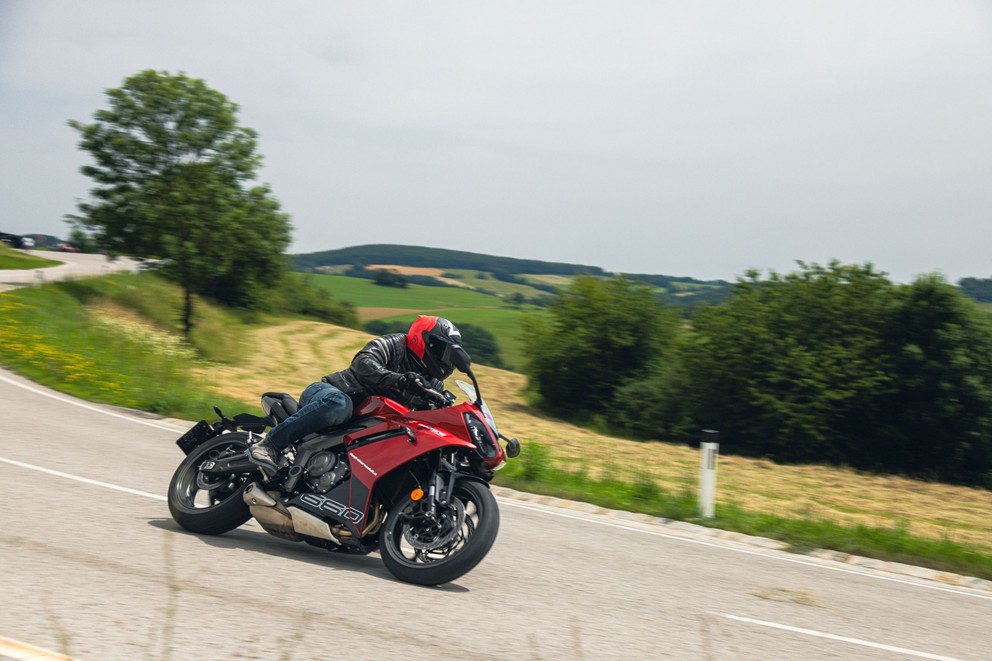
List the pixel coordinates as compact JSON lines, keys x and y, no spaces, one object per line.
{"x":410,"y":483}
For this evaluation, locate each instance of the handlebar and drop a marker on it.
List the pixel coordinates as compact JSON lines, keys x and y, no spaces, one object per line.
{"x":436,"y":397}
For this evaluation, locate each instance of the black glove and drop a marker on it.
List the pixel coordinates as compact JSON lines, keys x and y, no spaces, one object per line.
{"x":411,"y":383}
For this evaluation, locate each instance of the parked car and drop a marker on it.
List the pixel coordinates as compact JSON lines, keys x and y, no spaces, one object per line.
{"x":27,"y":242}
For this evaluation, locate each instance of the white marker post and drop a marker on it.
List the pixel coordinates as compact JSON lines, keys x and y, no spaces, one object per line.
{"x":707,"y":474}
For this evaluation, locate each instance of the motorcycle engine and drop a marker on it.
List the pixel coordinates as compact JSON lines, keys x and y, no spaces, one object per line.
{"x":324,"y":471}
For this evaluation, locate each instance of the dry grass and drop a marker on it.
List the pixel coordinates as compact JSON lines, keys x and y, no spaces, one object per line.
{"x":419,"y":270}
{"x":290,"y":356}
{"x":368,"y":314}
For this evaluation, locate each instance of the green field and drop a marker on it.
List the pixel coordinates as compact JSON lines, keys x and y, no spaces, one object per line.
{"x":482,"y":280}
{"x":459,"y":305}
{"x":13,"y":259}
{"x":365,"y":293}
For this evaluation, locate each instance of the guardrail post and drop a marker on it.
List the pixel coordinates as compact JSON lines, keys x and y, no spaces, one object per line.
{"x":709,"y":450}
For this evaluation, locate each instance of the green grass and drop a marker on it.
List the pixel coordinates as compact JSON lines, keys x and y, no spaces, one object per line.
{"x":535,"y":472}
{"x":464,"y":306}
{"x":482,"y":280}
{"x":562,"y":281}
{"x":49,"y":335}
{"x":365,"y":293}
{"x":12,"y":259}
{"x":217,"y":331}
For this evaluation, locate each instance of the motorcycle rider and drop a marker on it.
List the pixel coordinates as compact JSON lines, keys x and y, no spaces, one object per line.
{"x":399,"y":366}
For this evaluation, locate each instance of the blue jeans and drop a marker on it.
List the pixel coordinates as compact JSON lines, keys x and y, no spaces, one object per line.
{"x":321,"y":405}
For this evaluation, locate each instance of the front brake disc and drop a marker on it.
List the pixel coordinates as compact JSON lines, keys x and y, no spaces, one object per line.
{"x":426,"y":534}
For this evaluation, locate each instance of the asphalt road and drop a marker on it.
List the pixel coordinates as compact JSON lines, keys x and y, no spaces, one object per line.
{"x":94,"y":567}
{"x":74,"y":265}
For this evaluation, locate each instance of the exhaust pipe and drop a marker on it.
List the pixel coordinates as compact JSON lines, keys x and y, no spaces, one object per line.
{"x":269,"y":512}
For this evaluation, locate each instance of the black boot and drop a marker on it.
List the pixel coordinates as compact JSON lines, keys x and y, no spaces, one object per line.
{"x":265,"y":456}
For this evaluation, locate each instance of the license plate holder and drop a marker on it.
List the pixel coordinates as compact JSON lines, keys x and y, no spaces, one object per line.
{"x":197,"y":434}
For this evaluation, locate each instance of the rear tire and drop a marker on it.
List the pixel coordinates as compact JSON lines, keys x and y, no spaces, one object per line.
{"x":209,"y":511}
{"x":469,"y":534}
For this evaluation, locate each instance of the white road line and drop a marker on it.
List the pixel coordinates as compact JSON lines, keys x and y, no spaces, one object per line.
{"x":84,"y":406}
{"x":15,"y":649}
{"x":843,"y":639}
{"x":84,"y":480}
{"x":735,"y":549}
{"x":510,"y":503}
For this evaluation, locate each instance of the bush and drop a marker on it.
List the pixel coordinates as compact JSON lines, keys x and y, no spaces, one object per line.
{"x":602,"y":335}
{"x":297,"y":295}
{"x":386,"y":278}
{"x":836,"y":364}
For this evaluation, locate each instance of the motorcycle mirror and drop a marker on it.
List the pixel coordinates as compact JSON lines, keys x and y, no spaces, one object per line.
{"x":461,"y":359}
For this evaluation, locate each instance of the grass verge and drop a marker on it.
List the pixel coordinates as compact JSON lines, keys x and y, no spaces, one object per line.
{"x":50,"y":335}
{"x":535,"y":472}
{"x":12,"y":259}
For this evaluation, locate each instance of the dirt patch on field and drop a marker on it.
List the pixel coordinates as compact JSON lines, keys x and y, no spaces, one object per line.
{"x":408,"y":270}
{"x":420,"y":270}
{"x":290,"y":356}
{"x":367,"y":314}
{"x":548,"y":279}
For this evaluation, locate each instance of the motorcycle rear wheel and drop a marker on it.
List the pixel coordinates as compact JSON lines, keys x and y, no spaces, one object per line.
{"x":464,"y":534}
{"x":209,"y":511}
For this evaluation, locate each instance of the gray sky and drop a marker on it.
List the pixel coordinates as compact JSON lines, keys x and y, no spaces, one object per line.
{"x":684,"y":138}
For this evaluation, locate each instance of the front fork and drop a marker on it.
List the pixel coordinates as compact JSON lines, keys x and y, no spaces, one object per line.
{"x":441,"y":485}
{"x":439,"y":489}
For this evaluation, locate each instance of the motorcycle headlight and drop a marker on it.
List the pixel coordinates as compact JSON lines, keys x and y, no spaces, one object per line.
{"x":481,"y":436}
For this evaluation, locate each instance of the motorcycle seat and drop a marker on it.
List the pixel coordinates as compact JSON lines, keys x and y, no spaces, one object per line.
{"x":279,"y":405}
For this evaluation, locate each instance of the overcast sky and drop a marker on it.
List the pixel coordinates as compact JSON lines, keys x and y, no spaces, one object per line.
{"x":685,"y":138}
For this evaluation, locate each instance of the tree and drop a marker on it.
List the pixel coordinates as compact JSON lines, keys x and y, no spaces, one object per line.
{"x":941,"y":413}
{"x":837,"y":364}
{"x":790,"y":365}
{"x":82,"y":241}
{"x":173,"y":173}
{"x":603,"y":333}
{"x":979,"y":289}
{"x":387,"y":278}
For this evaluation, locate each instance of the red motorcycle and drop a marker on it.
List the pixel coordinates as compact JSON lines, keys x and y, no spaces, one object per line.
{"x":413,"y":484}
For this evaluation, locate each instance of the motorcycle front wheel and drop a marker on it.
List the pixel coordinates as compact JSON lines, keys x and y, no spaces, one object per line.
{"x":210,"y":506}
{"x":430,"y":549}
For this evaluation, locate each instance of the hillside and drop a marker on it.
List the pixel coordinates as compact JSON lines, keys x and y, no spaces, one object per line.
{"x":437,"y":258}
{"x":501,"y":274}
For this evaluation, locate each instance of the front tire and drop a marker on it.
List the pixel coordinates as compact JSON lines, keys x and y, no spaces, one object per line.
{"x":209,"y":508}
{"x":426,"y":551}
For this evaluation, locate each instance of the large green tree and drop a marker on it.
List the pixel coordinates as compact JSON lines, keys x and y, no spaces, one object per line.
{"x":838,"y":364}
{"x":174,"y":177}
{"x":602,"y":334}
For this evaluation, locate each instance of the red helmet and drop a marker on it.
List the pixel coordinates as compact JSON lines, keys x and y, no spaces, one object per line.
{"x":432,"y":340}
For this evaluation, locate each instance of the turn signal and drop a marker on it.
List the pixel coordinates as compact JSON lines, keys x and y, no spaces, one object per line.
{"x":416,"y":494}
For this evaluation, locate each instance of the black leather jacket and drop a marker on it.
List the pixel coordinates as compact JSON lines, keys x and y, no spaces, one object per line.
{"x":376,"y":370}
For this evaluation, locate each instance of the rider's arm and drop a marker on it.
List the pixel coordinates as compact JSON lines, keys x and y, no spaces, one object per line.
{"x":371,"y":365}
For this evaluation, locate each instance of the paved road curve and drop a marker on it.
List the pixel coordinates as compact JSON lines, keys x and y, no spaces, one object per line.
{"x":74,"y":265}
{"x":94,"y":567}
